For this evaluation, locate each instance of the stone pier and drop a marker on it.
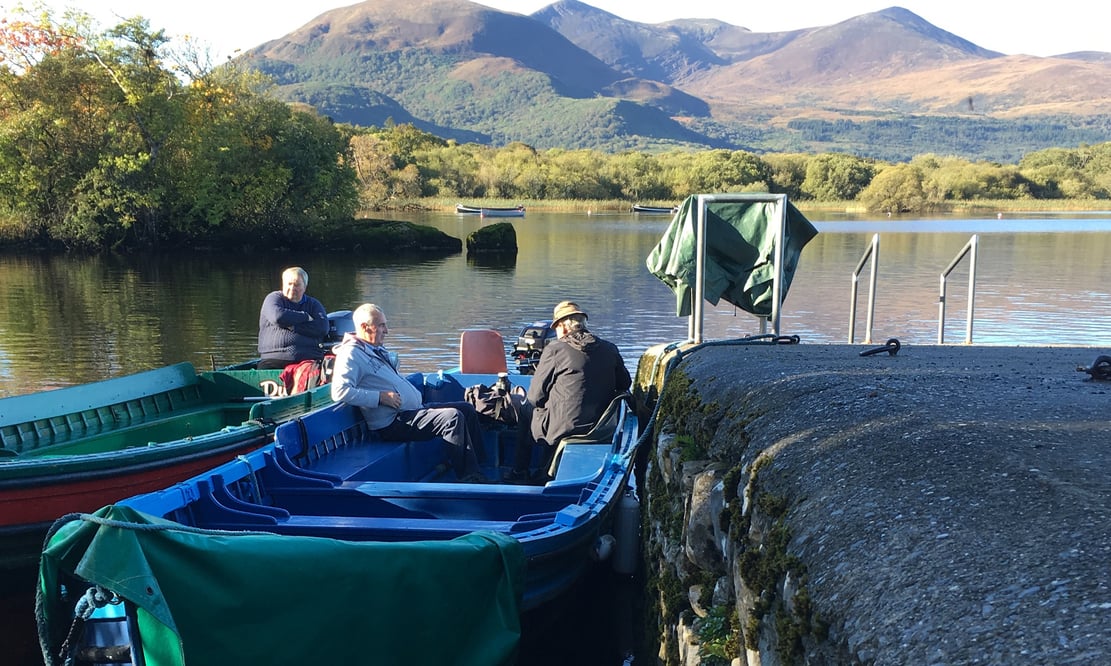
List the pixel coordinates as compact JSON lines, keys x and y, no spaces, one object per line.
{"x":806,"y":504}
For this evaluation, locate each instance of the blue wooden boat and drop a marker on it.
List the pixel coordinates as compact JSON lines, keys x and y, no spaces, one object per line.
{"x":292,"y":516}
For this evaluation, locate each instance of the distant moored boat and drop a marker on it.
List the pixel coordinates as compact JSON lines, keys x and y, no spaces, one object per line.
{"x":490,"y":211}
{"x":655,"y":210}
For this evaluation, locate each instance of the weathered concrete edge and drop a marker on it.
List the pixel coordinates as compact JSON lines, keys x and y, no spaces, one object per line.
{"x":947,"y":504}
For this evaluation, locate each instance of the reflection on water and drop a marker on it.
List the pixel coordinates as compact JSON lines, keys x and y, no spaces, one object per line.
{"x":1042,"y":280}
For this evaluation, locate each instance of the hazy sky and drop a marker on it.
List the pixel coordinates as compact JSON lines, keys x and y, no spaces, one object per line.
{"x":1006,"y":26}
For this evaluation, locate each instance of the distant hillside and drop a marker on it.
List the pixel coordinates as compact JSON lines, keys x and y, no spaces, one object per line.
{"x":886,"y":84}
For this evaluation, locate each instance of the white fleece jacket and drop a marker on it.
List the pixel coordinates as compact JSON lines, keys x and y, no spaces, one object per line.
{"x":359,"y":378}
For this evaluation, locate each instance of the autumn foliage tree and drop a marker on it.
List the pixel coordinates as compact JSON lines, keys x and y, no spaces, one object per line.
{"x":107,"y":139}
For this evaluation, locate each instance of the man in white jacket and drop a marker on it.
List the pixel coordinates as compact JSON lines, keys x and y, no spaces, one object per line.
{"x":393,"y":406}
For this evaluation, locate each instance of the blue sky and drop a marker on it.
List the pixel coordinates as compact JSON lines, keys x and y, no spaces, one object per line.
{"x":226,"y":26}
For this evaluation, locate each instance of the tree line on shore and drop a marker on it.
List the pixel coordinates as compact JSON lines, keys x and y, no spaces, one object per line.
{"x":111,"y":139}
{"x":401,"y":163}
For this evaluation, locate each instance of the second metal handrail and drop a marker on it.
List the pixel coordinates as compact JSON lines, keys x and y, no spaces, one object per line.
{"x":873,"y":251}
{"x":970,"y":248}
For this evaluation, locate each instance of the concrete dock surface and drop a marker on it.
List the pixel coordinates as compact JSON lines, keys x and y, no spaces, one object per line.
{"x":950,"y":504}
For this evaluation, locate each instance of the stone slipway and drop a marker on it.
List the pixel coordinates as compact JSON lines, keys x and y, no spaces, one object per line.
{"x":947,"y":504}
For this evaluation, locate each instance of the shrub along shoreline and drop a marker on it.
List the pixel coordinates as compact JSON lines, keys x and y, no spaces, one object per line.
{"x":354,"y":236}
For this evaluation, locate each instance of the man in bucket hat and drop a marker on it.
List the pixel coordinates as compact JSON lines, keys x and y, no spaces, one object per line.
{"x":578,"y":375}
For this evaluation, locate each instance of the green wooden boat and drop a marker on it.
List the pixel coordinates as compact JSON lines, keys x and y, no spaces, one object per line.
{"x":79,"y":448}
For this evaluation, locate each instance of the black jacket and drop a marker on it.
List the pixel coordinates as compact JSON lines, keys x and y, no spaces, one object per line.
{"x":576,"y":379}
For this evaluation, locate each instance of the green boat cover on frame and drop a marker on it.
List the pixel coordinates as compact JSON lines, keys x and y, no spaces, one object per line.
{"x":210,"y":597}
{"x":740,"y":251}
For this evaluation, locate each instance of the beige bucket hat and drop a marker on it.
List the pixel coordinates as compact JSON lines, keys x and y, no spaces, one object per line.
{"x":564,"y":310}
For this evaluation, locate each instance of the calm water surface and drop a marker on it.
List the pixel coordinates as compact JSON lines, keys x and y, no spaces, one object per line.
{"x":1042,"y":280}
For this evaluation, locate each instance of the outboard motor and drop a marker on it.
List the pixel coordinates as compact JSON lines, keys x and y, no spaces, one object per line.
{"x":339,"y":322}
{"x":530,"y":344}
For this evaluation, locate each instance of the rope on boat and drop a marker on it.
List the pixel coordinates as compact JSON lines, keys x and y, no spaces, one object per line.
{"x":891,"y":347}
{"x":95,"y":597}
{"x":764,"y":337}
{"x":1101,"y":368}
{"x":152,"y":527}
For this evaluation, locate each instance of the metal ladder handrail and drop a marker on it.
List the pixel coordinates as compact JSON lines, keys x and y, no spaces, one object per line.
{"x":873,"y":251}
{"x":970,"y":248}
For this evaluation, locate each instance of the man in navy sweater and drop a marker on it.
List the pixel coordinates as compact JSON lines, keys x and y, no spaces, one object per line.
{"x":291,"y":325}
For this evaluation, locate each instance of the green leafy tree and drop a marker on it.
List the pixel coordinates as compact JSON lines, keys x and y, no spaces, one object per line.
{"x":637,"y":177}
{"x":512,"y":172}
{"x":405,"y":141}
{"x":725,"y":171}
{"x":53,"y":123}
{"x":896,"y":189}
{"x":957,"y":179}
{"x":837,"y":177}
{"x":375,"y":167}
{"x":578,"y":174}
{"x":787,"y":173}
{"x":452,"y":170}
{"x":1096,"y":167}
{"x":121,"y":198}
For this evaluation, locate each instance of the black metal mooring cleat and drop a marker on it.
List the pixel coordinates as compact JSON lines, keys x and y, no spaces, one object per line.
{"x":1101,"y":368}
{"x":891,"y":347}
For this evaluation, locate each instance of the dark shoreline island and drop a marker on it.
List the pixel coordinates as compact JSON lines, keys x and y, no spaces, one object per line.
{"x":353,"y":236}
{"x":379,"y":237}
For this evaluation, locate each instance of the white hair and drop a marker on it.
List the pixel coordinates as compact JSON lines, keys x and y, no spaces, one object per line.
{"x":364,"y":312}
{"x":299,"y":271}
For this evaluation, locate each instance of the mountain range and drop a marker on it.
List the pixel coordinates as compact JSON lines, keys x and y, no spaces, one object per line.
{"x":886,"y":84}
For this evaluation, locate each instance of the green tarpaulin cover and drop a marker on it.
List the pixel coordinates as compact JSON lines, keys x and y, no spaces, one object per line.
{"x":208,"y":598}
{"x":740,"y":251}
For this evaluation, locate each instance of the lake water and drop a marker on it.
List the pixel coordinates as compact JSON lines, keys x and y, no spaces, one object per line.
{"x":1042,"y":280}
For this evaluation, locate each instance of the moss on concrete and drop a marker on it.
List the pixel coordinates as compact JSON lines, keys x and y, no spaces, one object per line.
{"x":763,"y":565}
{"x":694,"y":421}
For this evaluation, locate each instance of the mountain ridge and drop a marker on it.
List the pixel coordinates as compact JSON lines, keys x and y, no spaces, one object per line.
{"x":571,"y":75}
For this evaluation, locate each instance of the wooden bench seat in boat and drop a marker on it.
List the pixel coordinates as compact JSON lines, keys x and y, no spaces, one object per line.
{"x":338,"y":441}
{"x":585,"y":453}
{"x":582,"y":461}
{"x":349,"y":517}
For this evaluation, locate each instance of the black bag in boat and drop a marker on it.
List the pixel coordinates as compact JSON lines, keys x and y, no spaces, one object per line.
{"x":496,"y":403}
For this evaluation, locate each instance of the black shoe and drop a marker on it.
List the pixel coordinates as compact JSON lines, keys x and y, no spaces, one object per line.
{"x":475,"y":477}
